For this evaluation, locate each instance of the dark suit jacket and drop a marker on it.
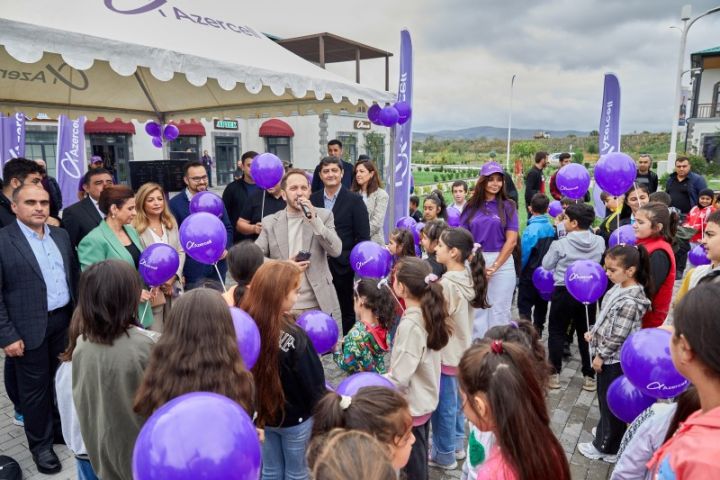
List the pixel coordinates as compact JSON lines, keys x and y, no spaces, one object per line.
{"x":194,"y":270}
{"x":80,"y":219}
{"x":352,"y":224}
{"x":23,"y":295}
{"x":346,"y":181}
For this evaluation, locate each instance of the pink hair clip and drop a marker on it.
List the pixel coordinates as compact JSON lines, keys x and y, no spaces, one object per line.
{"x":431,"y":278}
{"x":497,"y":347}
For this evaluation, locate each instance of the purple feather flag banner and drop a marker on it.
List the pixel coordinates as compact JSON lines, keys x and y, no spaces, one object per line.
{"x":403,"y":133}
{"x":609,"y":137}
{"x":12,"y":138}
{"x":70,"y":157}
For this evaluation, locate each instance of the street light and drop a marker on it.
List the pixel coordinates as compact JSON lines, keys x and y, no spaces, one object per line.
{"x":687,"y":23}
{"x":507,"y":156}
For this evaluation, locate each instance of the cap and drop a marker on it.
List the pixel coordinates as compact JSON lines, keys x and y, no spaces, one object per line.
{"x":96,"y":159}
{"x":490,"y":168}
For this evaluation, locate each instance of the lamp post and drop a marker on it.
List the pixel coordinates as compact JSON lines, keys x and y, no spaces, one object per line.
{"x":507,"y":155}
{"x":685,"y":16}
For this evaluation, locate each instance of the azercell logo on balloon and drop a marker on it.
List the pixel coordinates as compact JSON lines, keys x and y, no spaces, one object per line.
{"x":359,"y":265}
{"x":577,"y":276}
{"x":190,"y":244}
{"x":180,"y":16}
{"x":665,"y":388}
{"x":144,"y":263}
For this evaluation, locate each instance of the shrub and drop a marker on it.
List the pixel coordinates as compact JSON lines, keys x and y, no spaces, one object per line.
{"x":436,"y":178}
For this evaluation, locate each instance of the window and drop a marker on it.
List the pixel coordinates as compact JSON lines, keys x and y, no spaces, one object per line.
{"x":281,"y":147}
{"x":375,"y":147}
{"x":185,"y":148}
{"x":716,"y":100}
{"x":42,"y":145}
{"x":349,"y":142}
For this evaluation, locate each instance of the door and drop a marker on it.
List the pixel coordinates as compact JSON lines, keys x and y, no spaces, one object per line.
{"x":113,"y":149}
{"x":227,"y":153}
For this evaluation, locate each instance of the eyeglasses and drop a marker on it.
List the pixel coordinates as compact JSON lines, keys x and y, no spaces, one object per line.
{"x":199,"y":179}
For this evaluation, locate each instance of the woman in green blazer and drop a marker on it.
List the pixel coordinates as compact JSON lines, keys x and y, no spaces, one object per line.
{"x":116,"y":239}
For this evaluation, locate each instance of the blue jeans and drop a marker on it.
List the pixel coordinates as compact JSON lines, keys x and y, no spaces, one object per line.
{"x":85,"y":470}
{"x":448,"y":423}
{"x":283,"y":452}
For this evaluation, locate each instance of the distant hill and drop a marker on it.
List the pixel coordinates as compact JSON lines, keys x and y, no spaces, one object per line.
{"x":493,"y":132}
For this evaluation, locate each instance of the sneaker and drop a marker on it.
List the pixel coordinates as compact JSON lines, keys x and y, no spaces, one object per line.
{"x":589,"y":384}
{"x":594,"y":431}
{"x":449,"y":466}
{"x":19,"y":420}
{"x":588,"y":450}
{"x":554,"y":381}
{"x":460,"y":454}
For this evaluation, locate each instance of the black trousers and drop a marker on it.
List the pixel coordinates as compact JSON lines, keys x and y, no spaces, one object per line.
{"x":343,"y":282}
{"x":566,"y":311}
{"x":610,"y":429}
{"x":11,"y":387}
{"x":208,"y":170}
{"x":531,"y":305}
{"x":417,"y":466}
{"x":681,"y":250}
{"x":35,"y":372}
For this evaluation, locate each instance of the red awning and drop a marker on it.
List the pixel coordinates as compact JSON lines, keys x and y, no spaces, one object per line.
{"x":191,"y":129}
{"x":103,"y":126}
{"x":276,"y":128}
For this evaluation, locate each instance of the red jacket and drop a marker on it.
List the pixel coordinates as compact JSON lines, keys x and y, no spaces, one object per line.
{"x":697,"y":219}
{"x":661,"y":301}
{"x":553,"y":188}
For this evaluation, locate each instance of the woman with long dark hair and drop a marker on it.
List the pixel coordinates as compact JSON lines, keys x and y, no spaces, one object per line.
{"x":366,"y":182}
{"x":289,"y":377}
{"x":492,"y":218}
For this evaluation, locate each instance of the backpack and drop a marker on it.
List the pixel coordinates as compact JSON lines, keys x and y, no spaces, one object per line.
{"x":9,"y":469}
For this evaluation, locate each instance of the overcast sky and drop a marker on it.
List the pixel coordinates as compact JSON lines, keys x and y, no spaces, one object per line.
{"x":466,"y":51}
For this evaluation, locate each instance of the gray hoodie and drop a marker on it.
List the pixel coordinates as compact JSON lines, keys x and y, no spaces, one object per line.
{"x":458,"y":291}
{"x":579,"y":245}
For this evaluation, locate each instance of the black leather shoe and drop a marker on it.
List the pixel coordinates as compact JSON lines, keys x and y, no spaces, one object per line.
{"x":46,"y":461}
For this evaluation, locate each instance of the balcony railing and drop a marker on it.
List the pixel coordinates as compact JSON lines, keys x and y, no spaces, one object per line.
{"x":708,"y":110}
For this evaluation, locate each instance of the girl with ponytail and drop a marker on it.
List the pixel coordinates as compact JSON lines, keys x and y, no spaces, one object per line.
{"x":502,"y":394}
{"x":422,"y":333}
{"x":380,"y":411}
{"x":244,"y":259}
{"x":464,"y":288}
{"x":655,"y":227}
{"x":623,"y":307}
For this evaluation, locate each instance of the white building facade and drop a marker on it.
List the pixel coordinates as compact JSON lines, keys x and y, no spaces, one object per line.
{"x":704,"y":119}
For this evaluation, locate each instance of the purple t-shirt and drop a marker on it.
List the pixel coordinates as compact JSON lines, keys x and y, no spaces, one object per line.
{"x":485,"y":225}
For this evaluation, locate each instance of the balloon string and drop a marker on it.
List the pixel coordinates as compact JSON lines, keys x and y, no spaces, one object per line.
{"x":587,"y":318}
{"x":144,"y":311}
{"x":262,"y":208}
{"x":222,"y":282}
{"x":637,"y":195}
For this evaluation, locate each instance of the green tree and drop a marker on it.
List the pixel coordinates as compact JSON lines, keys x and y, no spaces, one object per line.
{"x":592,"y":148}
{"x":525,"y":149}
{"x":375,"y":147}
{"x":594,"y":133}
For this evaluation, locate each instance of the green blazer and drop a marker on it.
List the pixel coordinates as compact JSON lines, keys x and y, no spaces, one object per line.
{"x":102,"y":244}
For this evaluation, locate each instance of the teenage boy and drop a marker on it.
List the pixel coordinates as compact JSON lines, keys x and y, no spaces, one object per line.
{"x":414,"y":211}
{"x":459,"y":192}
{"x":613,"y":205}
{"x":536,"y":240}
{"x":580,"y":243}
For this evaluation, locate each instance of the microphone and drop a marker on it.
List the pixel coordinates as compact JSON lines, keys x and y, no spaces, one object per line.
{"x":306,"y":211}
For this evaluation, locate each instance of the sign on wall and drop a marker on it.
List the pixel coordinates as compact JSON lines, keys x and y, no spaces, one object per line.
{"x":361,"y":124}
{"x":226,"y":125}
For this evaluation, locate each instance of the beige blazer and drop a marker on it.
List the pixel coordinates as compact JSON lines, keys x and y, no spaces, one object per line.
{"x":147,"y":239}
{"x":320,"y":240}
{"x":377,"y":204}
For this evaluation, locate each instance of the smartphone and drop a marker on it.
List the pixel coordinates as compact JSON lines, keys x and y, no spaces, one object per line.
{"x":302,"y":256}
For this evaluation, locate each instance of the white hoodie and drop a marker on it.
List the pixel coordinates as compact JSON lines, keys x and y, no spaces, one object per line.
{"x":458,"y":291}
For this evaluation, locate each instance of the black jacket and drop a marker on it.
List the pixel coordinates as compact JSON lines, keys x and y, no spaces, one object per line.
{"x":352,"y":224}
{"x":7,"y":216}
{"x":346,"y":181}
{"x":301,"y":376}
{"x":650,"y":179}
{"x":235,"y":196}
{"x":80,"y":219}
{"x":533,"y":184}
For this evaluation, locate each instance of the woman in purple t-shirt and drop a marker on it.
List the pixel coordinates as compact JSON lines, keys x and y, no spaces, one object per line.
{"x":492,"y":219}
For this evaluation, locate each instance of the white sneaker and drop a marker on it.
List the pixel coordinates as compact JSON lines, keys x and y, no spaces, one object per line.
{"x":593,"y":431}
{"x":588,"y":450}
{"x":450,"y":466}
{"x":589,"y":384}
{"x":460,"y":454}
{"x":554,"y":381}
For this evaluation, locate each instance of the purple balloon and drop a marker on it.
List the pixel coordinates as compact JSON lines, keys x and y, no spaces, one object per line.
{"x":416,"y":230}
{"x":646,"y":361}
{"x":573,"y":180}
{"x":368,"y":259}
{"x":698,"y":256}
{"x":615,"y":173}
{"x":171,"y":132}
{"x":158,"y":263}
{"x":586,"y":281}
{"x":406,"y":222}
{"x":373,"y":114}
{"x":157,"y":142}
{"x":404,"y":111}
{"x":321,"y":329}
{"x":197,"y":435}
{"x":153,"y":129}
{"x":267,"y":170}
{"x":543,"y":280}
{"x":453,"y":217}
{"x":623,"y":235}
{"x":356,"y":381}
{"x":418,"y":251}
{"x":207,"y":202}
{"x":555,"y":208}
{"x":203,"y":237}
{"x":248,"y":336}
{"x":389,"y":116}
{"x":625,"y":400}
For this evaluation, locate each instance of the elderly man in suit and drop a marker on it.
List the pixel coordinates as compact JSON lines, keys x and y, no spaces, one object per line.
{"x":85,"y":215}
{"x":352,"y":225}
{"x":38,"y":282}
{"x":297,"y":230}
